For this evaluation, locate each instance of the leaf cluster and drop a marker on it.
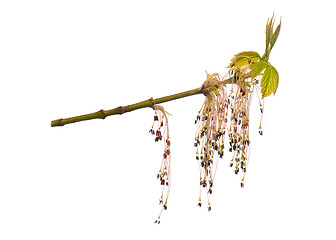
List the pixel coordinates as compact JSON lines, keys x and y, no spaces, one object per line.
{"x":244,"y":60}
{"x":253,"y":65}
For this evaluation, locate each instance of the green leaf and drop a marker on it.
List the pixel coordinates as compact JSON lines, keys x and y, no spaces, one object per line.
{"x":257,"y":68}
{"x":275,"y":35}
{"x":244,"y":59}
{"x":269,"y":81}
{"x":269,"y":30}
{"x":271,"y":36}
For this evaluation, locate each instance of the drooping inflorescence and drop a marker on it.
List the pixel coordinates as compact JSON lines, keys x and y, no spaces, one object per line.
{"x":240,"y":98}
{"x":160,"y":131}
{"x":225,"y":112}
{"x":209,"y":140}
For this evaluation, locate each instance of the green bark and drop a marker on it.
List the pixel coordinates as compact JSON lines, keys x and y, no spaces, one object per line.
{"x":102,"y":114}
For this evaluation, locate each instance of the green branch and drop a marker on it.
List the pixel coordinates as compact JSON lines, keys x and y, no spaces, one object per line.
{"x":102,"y":114}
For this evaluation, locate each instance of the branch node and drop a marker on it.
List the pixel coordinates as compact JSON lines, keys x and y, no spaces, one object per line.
{"x":153,"y":102}
{"x":123,"y":109}
{"x":104,"y":114}
{"x":205,"y":90}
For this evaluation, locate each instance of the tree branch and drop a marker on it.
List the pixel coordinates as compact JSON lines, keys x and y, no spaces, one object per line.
{"x":102,"y":114}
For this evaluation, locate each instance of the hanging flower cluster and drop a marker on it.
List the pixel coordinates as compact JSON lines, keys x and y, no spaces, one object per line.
{"x":239,"y":102}
{"x":160,"y":131}
{"x":209,"y":140}
{"x":225,"y":112}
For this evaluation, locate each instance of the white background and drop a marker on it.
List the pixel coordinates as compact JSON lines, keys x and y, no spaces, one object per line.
{"x":97,"y":179}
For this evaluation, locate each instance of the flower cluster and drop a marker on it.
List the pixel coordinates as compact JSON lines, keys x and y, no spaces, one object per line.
{"x":209,"y":140}
{"x":224,"y":113}
{"x":161,"y":133}
{"x":239,"y":137}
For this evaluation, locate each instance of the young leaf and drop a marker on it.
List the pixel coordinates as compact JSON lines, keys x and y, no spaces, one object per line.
{"x":271,"y":37}
{"x":243,"y":59}
{"x":269,"y":81}
{"x":257,"y":68}
{"x":269,"y":30}
{"x":275,"y":35}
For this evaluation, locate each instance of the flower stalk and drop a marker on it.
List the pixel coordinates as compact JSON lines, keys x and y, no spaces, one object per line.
{"x":160,"y":131}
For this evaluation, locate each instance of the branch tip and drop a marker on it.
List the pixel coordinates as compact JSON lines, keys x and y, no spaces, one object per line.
{"x":57,"y":123}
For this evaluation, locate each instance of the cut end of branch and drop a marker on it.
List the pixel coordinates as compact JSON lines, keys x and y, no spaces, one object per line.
{"x":57,"y":123}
